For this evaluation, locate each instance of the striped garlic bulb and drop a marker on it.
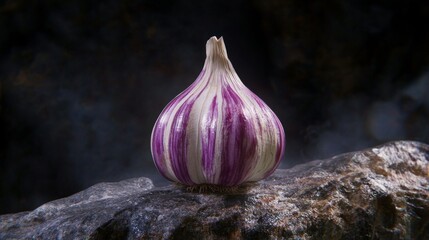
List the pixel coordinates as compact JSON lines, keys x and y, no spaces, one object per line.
{"x":217,"y":131}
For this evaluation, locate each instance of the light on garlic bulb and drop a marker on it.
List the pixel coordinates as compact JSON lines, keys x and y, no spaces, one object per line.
{"x":217,"y":131}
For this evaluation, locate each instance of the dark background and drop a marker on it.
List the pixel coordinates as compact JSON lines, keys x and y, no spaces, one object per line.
{"x":82,"y":82}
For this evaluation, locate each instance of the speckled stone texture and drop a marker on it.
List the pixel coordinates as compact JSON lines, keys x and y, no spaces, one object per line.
{"x":376,"y":193}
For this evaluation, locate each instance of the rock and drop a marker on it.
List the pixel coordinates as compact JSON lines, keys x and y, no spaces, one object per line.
{"x":377,"y":193}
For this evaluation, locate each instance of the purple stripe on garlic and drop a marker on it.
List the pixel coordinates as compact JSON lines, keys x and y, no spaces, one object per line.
{"x":217,"y":131}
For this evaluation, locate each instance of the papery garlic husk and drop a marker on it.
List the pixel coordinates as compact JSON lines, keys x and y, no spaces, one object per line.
{"x":217,"y":131}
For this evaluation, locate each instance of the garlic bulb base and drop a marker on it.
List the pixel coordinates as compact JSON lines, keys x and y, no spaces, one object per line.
{"x":217,"y":189}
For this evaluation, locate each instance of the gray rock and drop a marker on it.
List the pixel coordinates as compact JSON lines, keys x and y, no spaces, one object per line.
{"x":377,"y":193}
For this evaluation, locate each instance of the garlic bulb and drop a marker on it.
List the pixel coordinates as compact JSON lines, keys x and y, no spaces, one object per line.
{"x":217,"y":131}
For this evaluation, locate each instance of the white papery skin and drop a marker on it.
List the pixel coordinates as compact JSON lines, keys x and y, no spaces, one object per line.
{"x":217,"y":131}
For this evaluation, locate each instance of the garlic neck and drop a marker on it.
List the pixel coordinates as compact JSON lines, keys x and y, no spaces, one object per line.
{"x":216,"y":53}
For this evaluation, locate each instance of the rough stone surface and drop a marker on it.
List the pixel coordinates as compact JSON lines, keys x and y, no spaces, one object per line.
{"x":377,"y":193}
